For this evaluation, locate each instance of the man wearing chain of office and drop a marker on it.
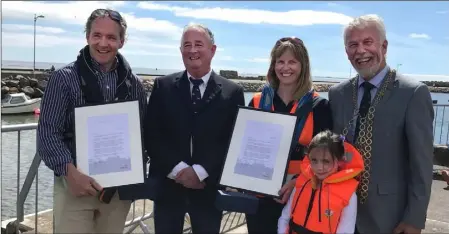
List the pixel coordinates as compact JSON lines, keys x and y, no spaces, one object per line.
{"x":388,"y":117}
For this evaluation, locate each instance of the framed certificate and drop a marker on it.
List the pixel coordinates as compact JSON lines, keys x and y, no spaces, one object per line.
{"x":108,"y":143}
{"x":259,"y":151}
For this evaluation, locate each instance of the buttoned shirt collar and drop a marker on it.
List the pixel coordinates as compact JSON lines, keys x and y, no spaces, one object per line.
{"x":205,"y":78}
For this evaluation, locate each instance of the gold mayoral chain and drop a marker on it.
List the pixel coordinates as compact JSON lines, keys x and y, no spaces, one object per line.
{"x":365,"y":138}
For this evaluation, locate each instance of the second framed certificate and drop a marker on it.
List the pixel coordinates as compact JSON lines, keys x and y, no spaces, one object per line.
{"x":259,"y":151}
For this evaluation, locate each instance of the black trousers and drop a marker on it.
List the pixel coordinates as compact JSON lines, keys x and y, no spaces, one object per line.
{"x":266,"y":218}
{"x":169,"y":217}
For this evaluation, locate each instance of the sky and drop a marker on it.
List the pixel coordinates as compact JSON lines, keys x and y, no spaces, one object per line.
{"x":245,"y":32}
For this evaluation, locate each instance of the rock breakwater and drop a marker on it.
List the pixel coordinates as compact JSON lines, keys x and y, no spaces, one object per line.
{"x":247,"y":86}
{"x":251,"y":86}
{"x":35,"y":87}
{"x":257,"y":86}
{"x":32,"y":87}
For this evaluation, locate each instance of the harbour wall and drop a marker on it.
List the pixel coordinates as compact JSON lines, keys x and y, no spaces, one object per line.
{"x":34,"y":85}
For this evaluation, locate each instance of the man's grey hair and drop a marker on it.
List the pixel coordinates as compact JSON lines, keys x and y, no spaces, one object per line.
{"x":367,"y":21}
{"x":206,"y":30}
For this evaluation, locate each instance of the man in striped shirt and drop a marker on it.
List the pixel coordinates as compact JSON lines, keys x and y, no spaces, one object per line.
{"x":99,"y":75}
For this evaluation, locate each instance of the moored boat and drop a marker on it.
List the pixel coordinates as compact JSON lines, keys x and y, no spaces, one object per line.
{"x":19,"y":103}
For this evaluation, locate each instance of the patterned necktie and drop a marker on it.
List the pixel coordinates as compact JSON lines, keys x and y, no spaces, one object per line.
{"x":196,"y":94}
{"x":364,"y":105}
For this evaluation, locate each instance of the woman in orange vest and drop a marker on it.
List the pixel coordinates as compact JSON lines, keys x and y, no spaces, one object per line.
{"x":324,"y":199}
{"x":289,"y":90}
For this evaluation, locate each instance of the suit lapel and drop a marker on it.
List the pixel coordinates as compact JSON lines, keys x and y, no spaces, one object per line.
{"x":183,"y":85}
{"x":349,"y":107}
{"x":212,"y":91}
{"x":348,"y":110}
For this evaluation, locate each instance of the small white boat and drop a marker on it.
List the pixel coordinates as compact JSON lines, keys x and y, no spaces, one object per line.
{"x":19,"y":103}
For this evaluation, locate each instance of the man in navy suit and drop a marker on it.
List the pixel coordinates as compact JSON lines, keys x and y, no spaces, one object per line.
{"x":189,"y":123}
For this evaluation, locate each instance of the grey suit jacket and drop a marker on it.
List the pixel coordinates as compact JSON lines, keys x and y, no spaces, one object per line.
{"x":402,"y":154}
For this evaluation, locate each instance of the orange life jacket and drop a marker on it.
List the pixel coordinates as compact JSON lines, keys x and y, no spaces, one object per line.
{"x":305,"y":137}
{"x":318,"y":208}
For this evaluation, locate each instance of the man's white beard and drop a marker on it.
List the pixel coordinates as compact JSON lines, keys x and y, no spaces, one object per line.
{"x":371,"y":71}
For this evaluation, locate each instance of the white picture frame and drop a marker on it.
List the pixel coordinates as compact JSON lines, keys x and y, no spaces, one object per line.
{"x":108,"y":143}
{"x":266,"y":138}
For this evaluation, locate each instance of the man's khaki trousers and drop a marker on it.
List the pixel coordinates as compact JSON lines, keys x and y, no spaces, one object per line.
{"x":87,"y":214}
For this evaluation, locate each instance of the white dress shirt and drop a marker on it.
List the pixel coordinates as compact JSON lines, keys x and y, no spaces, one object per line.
{"x":347,"y":218}
{"x":199,"y":170}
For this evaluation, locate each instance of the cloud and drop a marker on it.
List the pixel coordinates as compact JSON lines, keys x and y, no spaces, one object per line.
{"x":332,"y":4}
{"x":76,"y":13}
{"x":118,"y":3}
{"x":25,"y":39}
{"x":147,"y":53}
{"x":259,"y":60}
{"x":139,"y":46}
{"x":402,"y":44}
{"x":69,"y":12}
{"x":419,"y":36}
{"x":15,"y":39}
{"x":442,"y":12}
{"x":153,"y":26}
{"x":175,"y":54}
{"x":48,"y":37}
{"x":196,"y":3}
{"x":24,"y":27}
{"x":224,"y":57}
{"x":253,"y":16}
{"x":148,"y":42}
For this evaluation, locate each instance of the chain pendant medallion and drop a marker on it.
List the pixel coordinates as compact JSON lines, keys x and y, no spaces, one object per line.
{"x":365,"y":138}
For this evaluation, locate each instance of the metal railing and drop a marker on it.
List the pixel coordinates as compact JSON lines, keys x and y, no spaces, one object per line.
{"x":231,"y":220}
{"x":441,"y":124}
{"x":440,"y":132}
{"x":22,"y":194}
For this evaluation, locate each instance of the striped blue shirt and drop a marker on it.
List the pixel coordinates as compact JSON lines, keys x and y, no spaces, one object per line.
{"x":62,"y":94}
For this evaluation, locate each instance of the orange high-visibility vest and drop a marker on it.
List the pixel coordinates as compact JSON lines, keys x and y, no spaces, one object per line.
{"x":305,"y":136}
{"x":329,"y":199}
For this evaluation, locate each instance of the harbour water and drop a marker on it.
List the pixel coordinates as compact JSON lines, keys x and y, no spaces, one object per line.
{"x":45,"y":176}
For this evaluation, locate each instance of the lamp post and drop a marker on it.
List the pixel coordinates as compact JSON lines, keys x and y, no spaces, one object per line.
{"x":397,"y":67}
{"x":34,"y":50}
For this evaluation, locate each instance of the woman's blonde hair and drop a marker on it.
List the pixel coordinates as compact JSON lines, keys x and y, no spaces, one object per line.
{"x":299,"y":51}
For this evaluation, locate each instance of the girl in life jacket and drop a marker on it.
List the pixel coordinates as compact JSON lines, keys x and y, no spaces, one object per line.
{"x":324,"y":199}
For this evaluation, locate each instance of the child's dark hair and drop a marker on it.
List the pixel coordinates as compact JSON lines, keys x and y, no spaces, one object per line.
{"x":331,"y":141}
